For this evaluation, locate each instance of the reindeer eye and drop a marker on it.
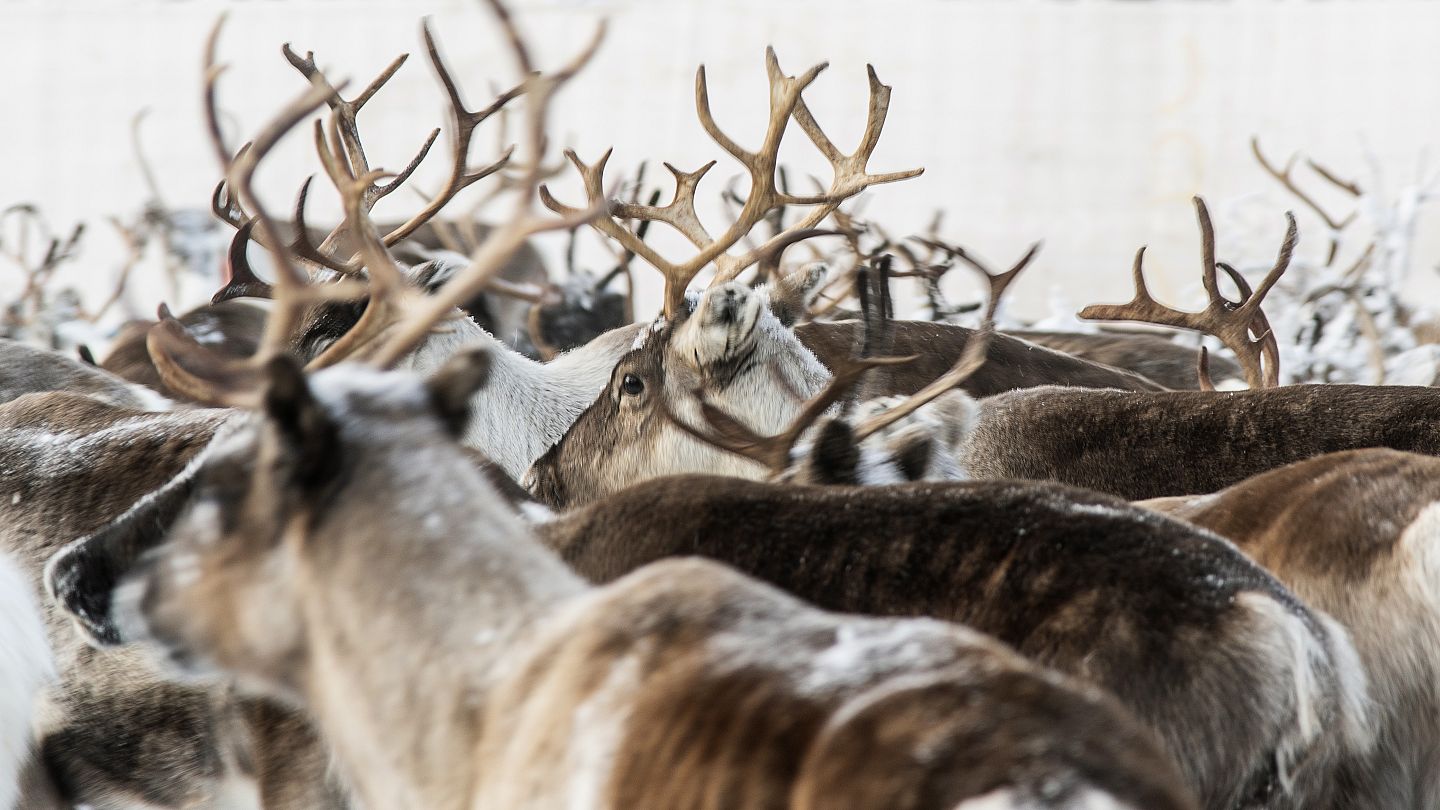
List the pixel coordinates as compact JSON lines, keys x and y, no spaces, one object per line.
{"x":632,"y":386}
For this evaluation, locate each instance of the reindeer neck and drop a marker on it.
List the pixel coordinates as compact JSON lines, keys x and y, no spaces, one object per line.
{"x":406,"y":636}
{"x":526,"y":407}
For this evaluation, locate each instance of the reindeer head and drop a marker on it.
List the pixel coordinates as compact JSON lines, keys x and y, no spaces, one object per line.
{"x":732,"y":349}
{"x":287,"y":498}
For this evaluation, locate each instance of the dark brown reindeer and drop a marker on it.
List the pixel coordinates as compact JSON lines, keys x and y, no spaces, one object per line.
{"x":1357,"y":534}
{"x":1151,"y":356}
{"x":617,"y":693}
{"x":1143,"y":445}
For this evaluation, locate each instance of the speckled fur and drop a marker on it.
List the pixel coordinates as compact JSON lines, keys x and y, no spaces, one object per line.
{"x":26,"y":369}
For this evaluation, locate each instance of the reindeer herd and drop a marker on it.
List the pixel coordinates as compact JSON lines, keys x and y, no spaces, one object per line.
{"x":330,"y":542}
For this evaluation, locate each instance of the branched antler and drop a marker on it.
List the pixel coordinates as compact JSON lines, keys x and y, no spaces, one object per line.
{"x":850,"y":177}
{"x":1232,"y":323}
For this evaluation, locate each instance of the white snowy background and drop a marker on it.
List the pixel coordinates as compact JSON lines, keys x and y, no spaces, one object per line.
{"x":1086,"y":124}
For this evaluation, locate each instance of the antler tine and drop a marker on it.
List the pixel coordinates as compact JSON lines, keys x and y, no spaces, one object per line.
{"x":1230,"y":322}
{"x":147,"y":172}
{"x":996,"y":283}
{"x":346,"y":126}
{"x":1202,"y":370}
{"x":971,"y":359}
{"x":1260,"y":326}
{"x":728,"y":433}
{"x":504,"y":240}
{"x":850,"y":176}
{"x":233,"y":382}
{"x":242,"y":283}
{"x":1347,"y":186}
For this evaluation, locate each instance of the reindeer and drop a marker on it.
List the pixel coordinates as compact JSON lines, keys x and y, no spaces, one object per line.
{"x":115,"y":733}
{"x":617,"y":692}
{"x":1151,"y":356}
{"x":234,"y":327}
{"x":1355,"y":534}
{"x":542,"y":654}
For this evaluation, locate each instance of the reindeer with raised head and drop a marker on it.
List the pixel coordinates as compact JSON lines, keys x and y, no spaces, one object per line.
{"x":595,"y":696}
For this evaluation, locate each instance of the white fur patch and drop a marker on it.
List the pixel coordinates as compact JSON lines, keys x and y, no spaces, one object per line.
{"x":25,"y":668}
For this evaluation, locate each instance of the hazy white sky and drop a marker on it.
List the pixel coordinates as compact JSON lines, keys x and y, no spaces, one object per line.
{"x":1087,"y":124}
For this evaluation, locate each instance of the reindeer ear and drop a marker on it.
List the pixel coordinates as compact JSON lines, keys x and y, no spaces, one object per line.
{"x":835,"y":458}
{"x":82,"y":576}
{"x":311,"y":437}
{"x":791,"y":294}
{"x":913,"y":454}
{"x":455,"y":383}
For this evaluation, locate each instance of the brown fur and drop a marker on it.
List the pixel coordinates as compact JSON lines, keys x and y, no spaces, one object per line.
{"x":1151,"y":356}
{"x":1150,"y":445}
{"x":1345,"y":531}
{"x":1150,"y":609}
{"x":1010,"y":362}
{"x":231,"y":329}
{"x":682,"y":685}
{"x":119,"y":732}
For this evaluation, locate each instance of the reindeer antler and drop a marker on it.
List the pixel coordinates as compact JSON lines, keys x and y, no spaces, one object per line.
{"x":850,"y":177}
{"x":1232,"y":323}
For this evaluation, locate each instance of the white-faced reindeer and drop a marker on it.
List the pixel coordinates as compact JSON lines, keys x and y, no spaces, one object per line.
{"x":661,"y":690}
